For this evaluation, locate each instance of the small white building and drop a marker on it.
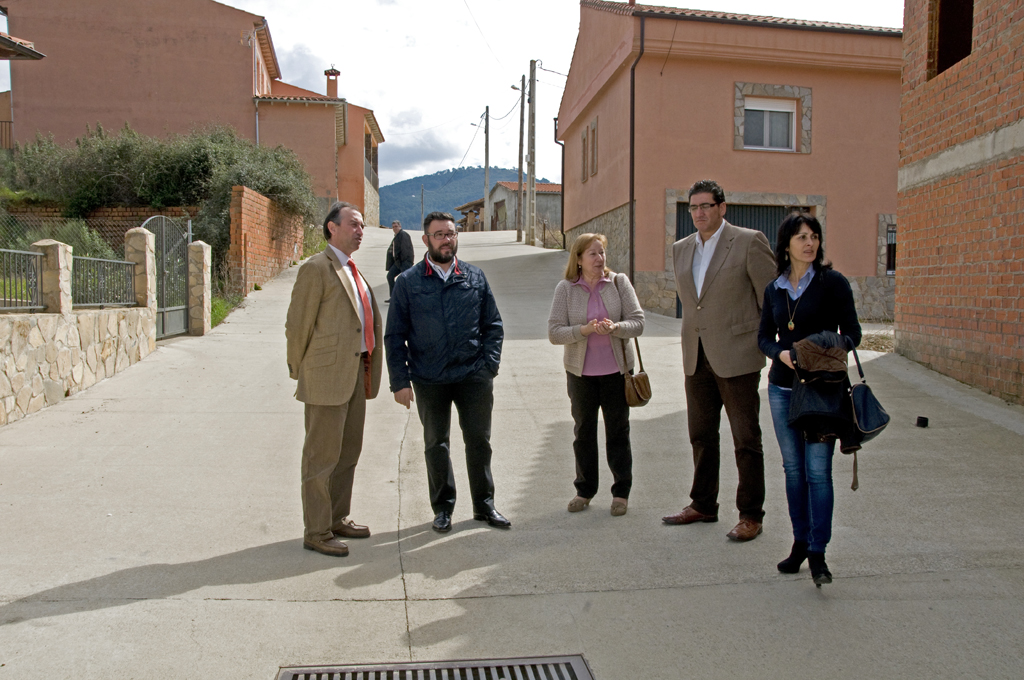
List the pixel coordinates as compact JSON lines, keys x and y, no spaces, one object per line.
{"x":505,"y":206}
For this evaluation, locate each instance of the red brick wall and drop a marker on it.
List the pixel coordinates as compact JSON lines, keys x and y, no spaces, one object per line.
{"x":960,"y":266}
{"x":111,"y":223}
{"x":264,"y":240}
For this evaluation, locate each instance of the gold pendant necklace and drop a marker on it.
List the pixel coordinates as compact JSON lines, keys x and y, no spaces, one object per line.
{"x":792,"y":312}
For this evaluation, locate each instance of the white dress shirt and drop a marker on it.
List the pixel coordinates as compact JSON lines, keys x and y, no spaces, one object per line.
{"x":702,"y":255}
{"x":359,"y":303}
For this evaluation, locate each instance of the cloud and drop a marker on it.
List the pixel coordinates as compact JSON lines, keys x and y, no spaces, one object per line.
{"x":405,"y":119}
{"x":301,"y":67}
{"x":404,"y":157}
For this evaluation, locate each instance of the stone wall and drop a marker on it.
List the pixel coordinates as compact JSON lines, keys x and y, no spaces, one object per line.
{"x":614,"y":224}
{"x":46,"y":357}
{"x":875,"y":297}
{"x":371,"y":205}
{"x":265,"y":240}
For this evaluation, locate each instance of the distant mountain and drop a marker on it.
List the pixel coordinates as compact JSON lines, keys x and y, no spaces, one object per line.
{"x":443,"y":191}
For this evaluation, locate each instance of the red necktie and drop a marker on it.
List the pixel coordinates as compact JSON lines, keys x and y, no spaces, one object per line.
{"x":367,"y":309}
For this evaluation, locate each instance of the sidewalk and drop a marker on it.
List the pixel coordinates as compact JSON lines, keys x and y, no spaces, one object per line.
{"x":150,"y":527}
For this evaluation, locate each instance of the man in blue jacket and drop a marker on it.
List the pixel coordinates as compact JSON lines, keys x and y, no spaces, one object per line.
{"x":443,"y":343}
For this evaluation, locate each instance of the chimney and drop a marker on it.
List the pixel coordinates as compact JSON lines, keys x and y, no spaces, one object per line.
{"x":332,"y":81}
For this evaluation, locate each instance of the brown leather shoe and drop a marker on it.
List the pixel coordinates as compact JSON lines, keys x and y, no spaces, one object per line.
{"x":688,"y":516}
{"x":332,"y":546}
{"x":350,"y":529}
{"x":746,"y":530}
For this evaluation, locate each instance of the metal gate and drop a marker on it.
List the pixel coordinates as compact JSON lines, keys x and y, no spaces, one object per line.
{"x":764,"y":218}
{"x":172,"y":239}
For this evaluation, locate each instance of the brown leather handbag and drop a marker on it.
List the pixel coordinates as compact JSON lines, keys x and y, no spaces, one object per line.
{"x":638,"y":385}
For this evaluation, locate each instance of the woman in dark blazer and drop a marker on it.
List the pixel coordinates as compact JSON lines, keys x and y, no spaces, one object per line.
{"x":808,"y":297}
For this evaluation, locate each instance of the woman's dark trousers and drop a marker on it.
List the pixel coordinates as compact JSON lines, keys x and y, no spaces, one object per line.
{"x":587,"y":394}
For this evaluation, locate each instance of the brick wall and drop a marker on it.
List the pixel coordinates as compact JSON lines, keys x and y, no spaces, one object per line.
{"x":111,"y":223}
{"x":960,"y":267}
{"x":264,"y":240}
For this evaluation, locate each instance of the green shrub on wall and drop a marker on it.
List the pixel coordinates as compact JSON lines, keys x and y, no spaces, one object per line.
{"x":131,"y":169}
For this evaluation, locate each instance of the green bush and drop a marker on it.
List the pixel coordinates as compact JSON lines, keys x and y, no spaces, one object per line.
{"x":76,"y":233}
{"x":131,"y":169}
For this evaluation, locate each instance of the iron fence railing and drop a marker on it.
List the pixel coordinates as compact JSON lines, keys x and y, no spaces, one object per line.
{"x":102,"y":283}
{"x":19,"y":281}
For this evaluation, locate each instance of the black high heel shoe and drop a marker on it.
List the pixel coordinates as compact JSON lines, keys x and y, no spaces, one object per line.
{"x":797,"y":555}
{"x":819,"y":570}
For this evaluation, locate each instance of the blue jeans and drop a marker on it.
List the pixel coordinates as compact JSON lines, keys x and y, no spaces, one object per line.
{"x":808,"y":467}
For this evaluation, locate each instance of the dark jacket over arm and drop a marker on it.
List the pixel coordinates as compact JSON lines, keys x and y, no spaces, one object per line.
{"x":442,"y":331}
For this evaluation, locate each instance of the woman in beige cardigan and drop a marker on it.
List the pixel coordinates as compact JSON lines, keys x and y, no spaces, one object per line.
{"x":594,"y":313}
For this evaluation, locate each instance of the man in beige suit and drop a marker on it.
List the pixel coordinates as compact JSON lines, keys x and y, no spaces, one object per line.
{"x":721,"y":274}
{"x":334,"y":351}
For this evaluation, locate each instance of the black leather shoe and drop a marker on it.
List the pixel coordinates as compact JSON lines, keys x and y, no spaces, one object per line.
{"x":494,"y":518}
{"x":442,"y":522}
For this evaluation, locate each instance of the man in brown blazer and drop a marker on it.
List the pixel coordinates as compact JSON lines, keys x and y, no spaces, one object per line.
{"x":335,"y":351}
{"x":721,"y":274}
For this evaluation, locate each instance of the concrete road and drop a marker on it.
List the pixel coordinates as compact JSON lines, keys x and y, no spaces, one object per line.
{"x":151,"y":526}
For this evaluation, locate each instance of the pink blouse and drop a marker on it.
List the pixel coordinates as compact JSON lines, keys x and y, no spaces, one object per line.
{"x":599,"y":360}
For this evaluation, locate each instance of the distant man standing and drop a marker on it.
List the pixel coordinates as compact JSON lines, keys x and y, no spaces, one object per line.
{"x":334,"y":351}
{"x":443,"y":338}
{"x":721,"y":273}
{"x":400,"y":256}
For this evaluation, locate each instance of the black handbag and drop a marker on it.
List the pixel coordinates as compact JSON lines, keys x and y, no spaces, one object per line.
{"x":869,"y":418}
{"x":867,"y":414}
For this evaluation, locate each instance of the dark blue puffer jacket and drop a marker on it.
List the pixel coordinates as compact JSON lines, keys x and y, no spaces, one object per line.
{"x":441,"y":331}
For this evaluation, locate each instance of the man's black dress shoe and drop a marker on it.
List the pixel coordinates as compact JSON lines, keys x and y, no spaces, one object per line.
{"x":442,"y":522}
{"x":492,"y":517}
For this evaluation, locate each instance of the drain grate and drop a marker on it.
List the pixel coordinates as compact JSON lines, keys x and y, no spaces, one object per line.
{"x":535,"y":668}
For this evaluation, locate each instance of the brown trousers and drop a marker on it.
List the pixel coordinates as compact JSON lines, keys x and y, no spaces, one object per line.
{"x":334,"y":439}
{"x":706,"y":394}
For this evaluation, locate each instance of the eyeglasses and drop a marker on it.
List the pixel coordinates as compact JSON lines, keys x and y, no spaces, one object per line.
{"x":702,"y":207}
{"x":442,"y":236}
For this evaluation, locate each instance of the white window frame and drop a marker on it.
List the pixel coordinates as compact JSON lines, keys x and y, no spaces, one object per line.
{"x":766,"y":104}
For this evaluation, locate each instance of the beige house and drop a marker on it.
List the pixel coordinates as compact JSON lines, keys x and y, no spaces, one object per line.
{"x":171,"y":66}
{"x":782,"y":113}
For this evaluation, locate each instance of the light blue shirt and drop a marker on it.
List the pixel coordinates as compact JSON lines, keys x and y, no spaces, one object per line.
{"x":801,"y":285}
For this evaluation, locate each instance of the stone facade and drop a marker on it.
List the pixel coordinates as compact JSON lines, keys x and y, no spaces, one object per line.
{"x":371,"y":205}
{"x":46,"y":357}
{"x":614,"y":224}
{"x":199,"y":288}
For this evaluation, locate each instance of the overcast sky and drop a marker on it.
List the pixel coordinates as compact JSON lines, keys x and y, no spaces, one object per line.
{"x":428,"y":68}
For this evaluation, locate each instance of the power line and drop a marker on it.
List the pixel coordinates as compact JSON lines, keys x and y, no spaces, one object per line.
{"x":482,"y":33}
{"x":550,"y":71}
{"x":510,"y":110}
{"x":460,"y":162}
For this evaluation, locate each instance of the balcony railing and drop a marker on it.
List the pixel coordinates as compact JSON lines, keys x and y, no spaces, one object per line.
{"x":102,"y":283}
{"x":6,"y":134}
{"x":19,"y":281}
{"x":371,"y":176}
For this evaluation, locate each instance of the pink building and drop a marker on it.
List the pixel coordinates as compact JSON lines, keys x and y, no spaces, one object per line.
{"x":171,"y":66}
{"x":782,"y":113}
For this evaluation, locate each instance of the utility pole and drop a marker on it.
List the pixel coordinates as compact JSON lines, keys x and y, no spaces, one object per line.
{"x":487,"y":169}
{"x":531,"y":161}
{"x":519,"y":191}
{"x":421,"y":206}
